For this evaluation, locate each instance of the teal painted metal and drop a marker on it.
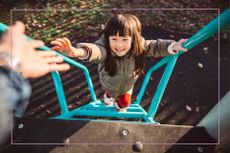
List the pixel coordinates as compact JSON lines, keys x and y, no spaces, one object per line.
{"x":216,"y":122}
{"x":162,"y":86}
{"x":58,"y":85}
{"x":210,"y":29}
{"x":97,"y":108}
{"x":148,"y":76}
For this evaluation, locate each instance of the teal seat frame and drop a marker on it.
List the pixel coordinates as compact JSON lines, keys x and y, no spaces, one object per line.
{"x":96,"y":107}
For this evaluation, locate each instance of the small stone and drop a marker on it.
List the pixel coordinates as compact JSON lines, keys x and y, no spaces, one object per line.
{"x":71,"y":106}
{"x":73,"y":21}
{"x":171,"y":36}
{"x":197,"y":109}
{"x":48,"y":111}
{"x":188,"y":108}
{"x":151,"y":78}
{"x":147,"y":93}
{"x":66,"y":141}
{"x":205,"y":48}
{"x":200,"y":65}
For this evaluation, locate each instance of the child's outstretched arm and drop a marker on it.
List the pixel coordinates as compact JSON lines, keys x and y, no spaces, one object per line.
{"x":64,"y":46}
{"x":84,"y":51}
{"x":162,"y":47}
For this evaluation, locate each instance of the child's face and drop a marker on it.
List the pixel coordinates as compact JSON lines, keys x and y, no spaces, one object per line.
{"x":120,"y":45}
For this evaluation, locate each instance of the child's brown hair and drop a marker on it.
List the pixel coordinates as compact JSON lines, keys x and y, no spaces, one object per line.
{"x":124,"y":25}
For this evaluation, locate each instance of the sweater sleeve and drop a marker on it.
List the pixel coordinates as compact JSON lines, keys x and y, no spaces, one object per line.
{"x":95,"y":52}
{"x":157,"y":48}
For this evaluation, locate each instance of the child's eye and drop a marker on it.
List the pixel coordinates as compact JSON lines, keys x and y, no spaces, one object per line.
{"x":125,"y":39}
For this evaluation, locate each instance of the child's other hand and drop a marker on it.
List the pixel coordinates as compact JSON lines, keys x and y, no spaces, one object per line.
{"x":178,"y":46}
{"x":63,"y":45}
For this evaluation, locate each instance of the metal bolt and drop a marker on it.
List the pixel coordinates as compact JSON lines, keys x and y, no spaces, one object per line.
{"x":138,"y":146}
{"x":20,"y":126}
{"x":125,"y":132}
{"x":200,"y":149}
{"x":66,"y":141}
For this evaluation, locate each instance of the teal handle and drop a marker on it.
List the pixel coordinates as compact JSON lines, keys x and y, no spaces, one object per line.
{"x":210,"y":29}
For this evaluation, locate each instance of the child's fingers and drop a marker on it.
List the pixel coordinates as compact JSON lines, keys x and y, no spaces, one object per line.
{"x":56,"y":43}
{"x":62,"y":41}
{"x":67,"y":41}
{"x":57,"y":48}
{"x":183,"y":49}
{"x":180,"y":43}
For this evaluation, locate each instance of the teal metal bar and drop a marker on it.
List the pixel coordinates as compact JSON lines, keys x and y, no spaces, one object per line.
{"x":147,"y":77}
{"x":162,"y":86}
{"x":60,"y":92}
{"x":210,"y":29}
{"x":101,"y":106}
{"x":203,"y":34}
{"x":78,"y":65}
{"x":3,"y":27}
{"x":77,"y":112}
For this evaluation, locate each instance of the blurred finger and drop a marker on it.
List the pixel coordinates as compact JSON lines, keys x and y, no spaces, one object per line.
{"x":59,"y":67}
{"x":45,"y":54}
{"x":36,"y":43}
{"x":56,"y":59}
{"x":57,"y":43}
{"x":57,"y":48}
{"x":18,"y":27}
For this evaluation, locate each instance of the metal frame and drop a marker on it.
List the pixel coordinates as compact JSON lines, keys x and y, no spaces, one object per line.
{"x":96,"y":108}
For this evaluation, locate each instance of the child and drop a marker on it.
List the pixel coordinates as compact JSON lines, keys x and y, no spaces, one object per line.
{"x":120,"y":52}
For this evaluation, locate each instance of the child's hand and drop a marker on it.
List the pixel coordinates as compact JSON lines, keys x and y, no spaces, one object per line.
{"x":177,"y":46}
{"x":63,"y":45}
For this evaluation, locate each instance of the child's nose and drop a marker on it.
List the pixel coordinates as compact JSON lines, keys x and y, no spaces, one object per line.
{"x":119,"y":45}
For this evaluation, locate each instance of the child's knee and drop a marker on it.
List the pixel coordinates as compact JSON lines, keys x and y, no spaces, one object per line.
{"x":124,"y":100}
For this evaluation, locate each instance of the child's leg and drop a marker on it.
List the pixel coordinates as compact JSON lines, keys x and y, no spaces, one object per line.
{"x":108,"y":100}
{"x":125,"y":100}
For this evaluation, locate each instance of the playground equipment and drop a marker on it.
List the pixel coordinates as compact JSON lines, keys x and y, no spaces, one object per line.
{"x":96,"y":107}
{"x":37,"y":133}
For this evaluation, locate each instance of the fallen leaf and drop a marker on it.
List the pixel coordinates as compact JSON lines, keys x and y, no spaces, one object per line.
{"x":197,"y":109}
{"x":188,"y":108}
{"x":200,"y":65}
{"x":48,"y":111}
